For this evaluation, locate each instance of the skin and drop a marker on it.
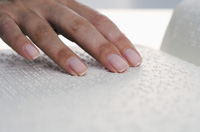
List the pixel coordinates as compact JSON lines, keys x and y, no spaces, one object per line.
{"x":38,"y":19}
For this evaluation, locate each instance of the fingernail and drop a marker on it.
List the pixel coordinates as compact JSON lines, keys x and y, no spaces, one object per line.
{"x":77,"y":66}
{"x":118,"y":63}
{"x":31,"y":51}
{"x":133,"y":58}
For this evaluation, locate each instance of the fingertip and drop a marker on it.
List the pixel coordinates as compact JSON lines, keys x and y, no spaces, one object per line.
{"x":118,"y":63}
{"x":133,"y":57}
{"x":31,"y":51}
{"x":78,"y":67}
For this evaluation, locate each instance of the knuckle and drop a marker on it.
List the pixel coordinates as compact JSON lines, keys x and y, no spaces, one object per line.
{"x":46,"y":1}
{"x":4,"y":24}
{"x":79,"y":25}
{"x":42,"y":31}
{"x":105,"y":49}
{"x":100,"y":19}
{"x":118,"y":38}
{"x":62,"y":55}
{"x":17,"y":40}
{"x":45,"y":4}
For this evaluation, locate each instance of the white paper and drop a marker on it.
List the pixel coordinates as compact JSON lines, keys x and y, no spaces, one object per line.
{"x":160,"y":96}
{"x":182,"y":35}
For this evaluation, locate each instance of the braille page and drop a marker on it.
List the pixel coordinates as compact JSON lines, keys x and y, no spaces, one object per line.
{"x":163,"y":95}
{"x":182,"y":35}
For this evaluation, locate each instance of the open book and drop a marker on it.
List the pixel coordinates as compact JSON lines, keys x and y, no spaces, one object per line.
{"x":160,"y":96}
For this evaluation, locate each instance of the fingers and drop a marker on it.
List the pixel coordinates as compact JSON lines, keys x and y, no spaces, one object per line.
{"x":47,"y":40}
{"x":86,"y":36}
{"x":13,"y":36}
{"x":95,"y":33}
{"x":110,"y":31}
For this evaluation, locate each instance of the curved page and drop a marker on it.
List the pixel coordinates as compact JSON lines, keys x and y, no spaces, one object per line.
{"x":160,"y":96}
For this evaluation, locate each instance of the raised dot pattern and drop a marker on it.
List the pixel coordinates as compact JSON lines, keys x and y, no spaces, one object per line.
{"x":161,"y":95}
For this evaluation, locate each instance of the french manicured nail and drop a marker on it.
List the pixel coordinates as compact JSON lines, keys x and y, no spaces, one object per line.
{"x":77,"y":66}
{"x":133,"y":58}
{"x":31,"y":51}
{"x":118,"y":63}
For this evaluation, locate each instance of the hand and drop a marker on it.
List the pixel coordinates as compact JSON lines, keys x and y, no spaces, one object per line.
{"x":92,"y":31}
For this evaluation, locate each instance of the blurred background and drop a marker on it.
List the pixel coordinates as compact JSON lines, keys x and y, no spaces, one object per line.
{"x":167,"y":4}
{"x":144,"y":22}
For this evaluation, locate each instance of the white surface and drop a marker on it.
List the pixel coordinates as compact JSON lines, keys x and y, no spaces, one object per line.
{"x":131,"y":3}
{"x":145,"y":27}
{"x":161,"y":96}
{"x":182,"y":38}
